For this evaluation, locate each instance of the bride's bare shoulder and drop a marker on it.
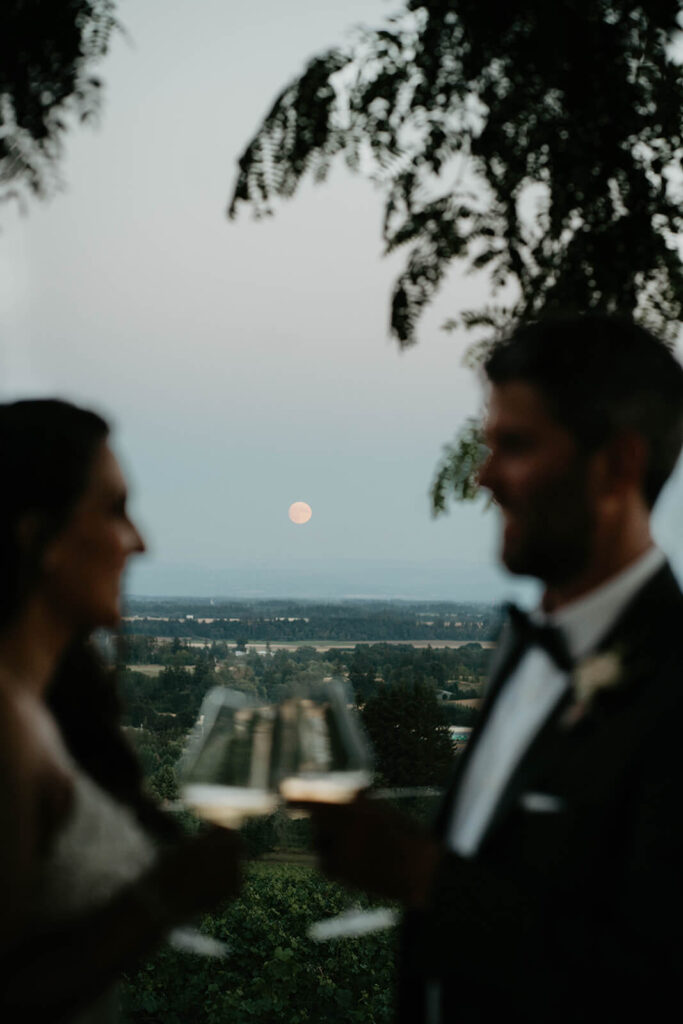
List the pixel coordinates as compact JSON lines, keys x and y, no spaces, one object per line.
{"x":35,"y":779}
{"x":15,"y":718}
{"x":28,"y":734}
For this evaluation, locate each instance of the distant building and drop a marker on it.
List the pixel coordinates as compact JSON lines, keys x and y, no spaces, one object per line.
{"x":460,"y":734}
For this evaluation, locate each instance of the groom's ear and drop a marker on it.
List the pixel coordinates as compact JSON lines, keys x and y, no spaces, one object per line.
{"x":624,"y":459}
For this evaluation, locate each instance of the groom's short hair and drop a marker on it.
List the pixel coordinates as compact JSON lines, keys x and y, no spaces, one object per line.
{"x":601,"y":375}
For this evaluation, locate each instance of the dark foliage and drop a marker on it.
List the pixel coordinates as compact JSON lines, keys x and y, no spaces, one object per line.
{"x":46,"y":54}
{"x":273,"y":972}
{"x":457,"y":473}
{"x":535,"y":141}
{"x":245,"y":623}
{"x":409,"y":734}
{"x":458,"y":714}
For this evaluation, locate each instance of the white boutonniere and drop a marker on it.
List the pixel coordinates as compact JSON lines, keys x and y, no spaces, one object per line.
{"x":597,"y":672}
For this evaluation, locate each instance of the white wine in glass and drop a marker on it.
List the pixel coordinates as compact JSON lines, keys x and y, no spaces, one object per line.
{"x":321,"y":754}
{"x":227,"y":771}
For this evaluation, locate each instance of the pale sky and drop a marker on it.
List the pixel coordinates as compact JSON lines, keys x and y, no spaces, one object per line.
{"x":245,"y":365}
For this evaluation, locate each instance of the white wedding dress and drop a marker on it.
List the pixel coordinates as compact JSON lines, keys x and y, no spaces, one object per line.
{"x":100,"y":848}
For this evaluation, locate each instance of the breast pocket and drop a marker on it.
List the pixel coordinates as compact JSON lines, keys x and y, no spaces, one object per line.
{"x":542,"y":824}
{"x":542,"y":803}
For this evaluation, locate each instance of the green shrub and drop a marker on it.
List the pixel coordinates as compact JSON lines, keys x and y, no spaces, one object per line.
{"x":273,"y":972}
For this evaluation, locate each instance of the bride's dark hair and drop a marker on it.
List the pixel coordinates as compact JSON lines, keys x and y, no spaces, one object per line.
{"x":47,"y":448}
{"x":46,"y":451}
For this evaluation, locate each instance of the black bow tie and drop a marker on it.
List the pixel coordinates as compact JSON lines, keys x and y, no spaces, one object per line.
{"x":550,"y":638}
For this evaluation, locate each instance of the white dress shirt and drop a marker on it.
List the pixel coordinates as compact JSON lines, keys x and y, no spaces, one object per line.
{"x":529,"y":696}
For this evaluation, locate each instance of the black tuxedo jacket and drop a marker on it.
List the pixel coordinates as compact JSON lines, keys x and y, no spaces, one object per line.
{"x":572,"y":910}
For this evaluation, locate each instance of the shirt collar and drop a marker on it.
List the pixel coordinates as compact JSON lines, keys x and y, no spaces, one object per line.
{"x":584,"y":621}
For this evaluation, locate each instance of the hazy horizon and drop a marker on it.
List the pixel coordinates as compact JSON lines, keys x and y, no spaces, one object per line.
{"x":326,"y":585}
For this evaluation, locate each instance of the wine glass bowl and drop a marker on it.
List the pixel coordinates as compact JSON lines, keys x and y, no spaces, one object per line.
{"x":227,"y":770}
{"x":321,"y":752}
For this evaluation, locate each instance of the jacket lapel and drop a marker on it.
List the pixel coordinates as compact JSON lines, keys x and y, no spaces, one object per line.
{"x":655,"y":612}
{"x":507,"y":655}
{"x":640,"y":630}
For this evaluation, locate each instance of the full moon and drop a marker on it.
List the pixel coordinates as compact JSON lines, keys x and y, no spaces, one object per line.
{"x":300,"y":512}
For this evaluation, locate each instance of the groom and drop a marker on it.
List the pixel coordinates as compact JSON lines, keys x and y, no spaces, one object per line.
{"x":551,"y":888}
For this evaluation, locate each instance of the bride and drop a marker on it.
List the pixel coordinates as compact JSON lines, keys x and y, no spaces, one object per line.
{"x":92,"y":874}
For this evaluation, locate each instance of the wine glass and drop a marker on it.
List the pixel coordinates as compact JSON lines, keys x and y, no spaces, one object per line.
{"x":225,"y":778}
{"x":321,"y":754}
{"x":227,"y":771}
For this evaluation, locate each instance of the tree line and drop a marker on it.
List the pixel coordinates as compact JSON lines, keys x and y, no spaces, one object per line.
{"x":323,"y":625}
{"x":397,"y":688}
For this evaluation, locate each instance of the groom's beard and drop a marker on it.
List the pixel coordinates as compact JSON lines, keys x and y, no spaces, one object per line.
{"x":548,"y":533}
